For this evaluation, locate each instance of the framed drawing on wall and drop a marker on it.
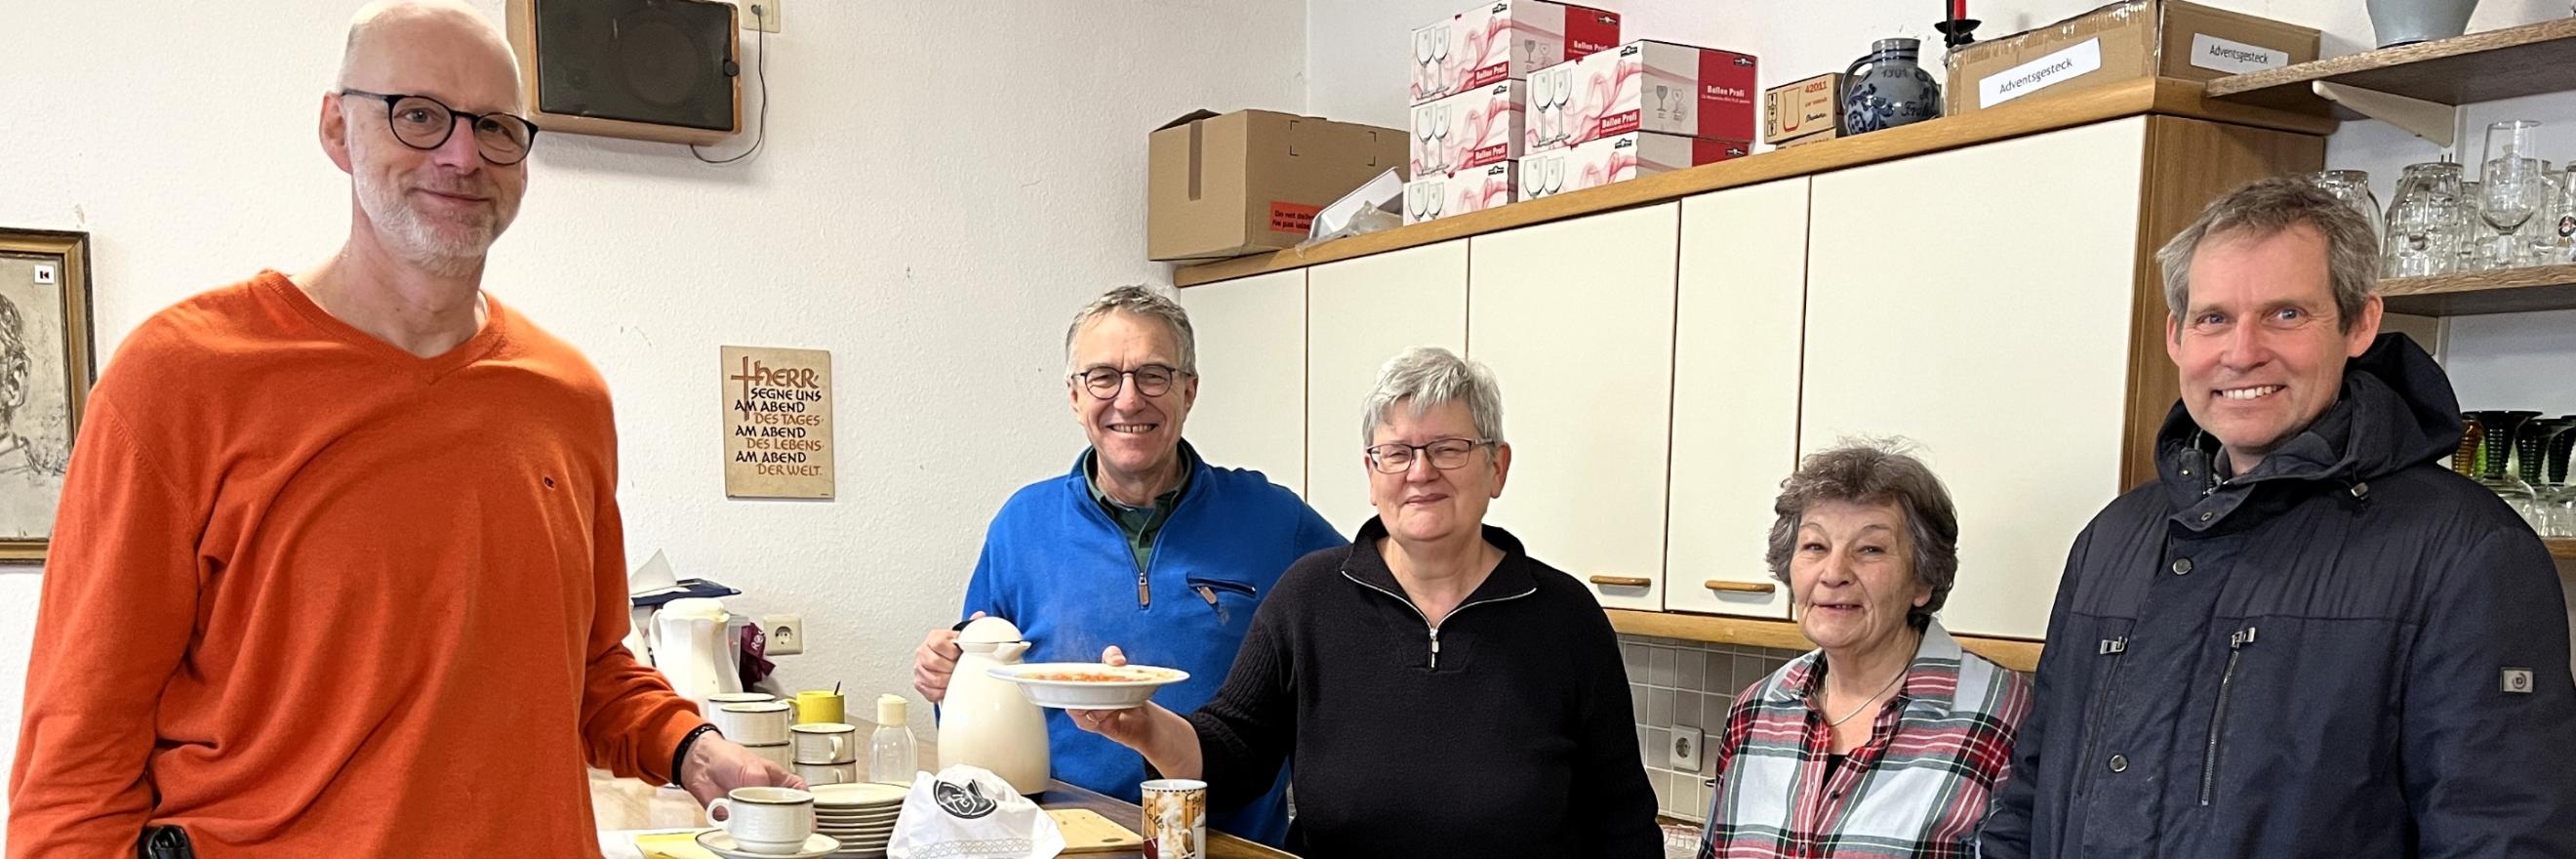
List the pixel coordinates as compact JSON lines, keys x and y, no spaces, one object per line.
{"x":46,"y":369}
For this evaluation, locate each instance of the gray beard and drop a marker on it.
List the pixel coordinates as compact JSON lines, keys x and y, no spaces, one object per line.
{"x":411,"y":237}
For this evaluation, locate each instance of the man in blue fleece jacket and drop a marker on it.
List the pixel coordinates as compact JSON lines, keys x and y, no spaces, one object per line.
{"x":1142,"y":544}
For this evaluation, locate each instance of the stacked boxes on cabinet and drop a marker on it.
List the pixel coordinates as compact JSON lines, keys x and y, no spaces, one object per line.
{"x":1471,"y":97}
{"x":1644,"y":108}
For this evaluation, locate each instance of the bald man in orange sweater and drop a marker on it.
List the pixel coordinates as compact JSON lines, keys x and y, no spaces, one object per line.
{"x":338,"y":570}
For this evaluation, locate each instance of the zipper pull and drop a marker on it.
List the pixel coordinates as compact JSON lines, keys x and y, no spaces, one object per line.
{"x":1223,"y":617}
{"x":2240,"y":638}
{"x":1144,"y":596}
{"x":1435,"y":648}
{"x":2113,"y":646}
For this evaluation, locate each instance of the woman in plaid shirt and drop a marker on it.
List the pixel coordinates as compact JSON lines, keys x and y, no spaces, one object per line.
{"x":1887,"y":739}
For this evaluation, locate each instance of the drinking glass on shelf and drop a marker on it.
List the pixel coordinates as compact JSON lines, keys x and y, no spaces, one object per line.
{"x":2353,"y":188}
{"x":2558,"y":233}
{"x":2423,"y":221}
{"x":2470,"y":247}
{"x":2512,"y":185}
{"x":2534,"y":241}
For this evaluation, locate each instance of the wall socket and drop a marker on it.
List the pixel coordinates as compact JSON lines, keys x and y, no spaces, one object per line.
{"x":786,"y":634}
{"x":1686,"y":748}
{"x":767,"y":19}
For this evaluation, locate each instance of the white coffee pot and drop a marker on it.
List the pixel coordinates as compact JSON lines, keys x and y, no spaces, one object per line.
{"x":985,"y":720}
{"x":692,"y":647}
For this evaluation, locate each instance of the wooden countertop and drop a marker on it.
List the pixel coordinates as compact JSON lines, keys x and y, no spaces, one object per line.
{"x":2022,"y":118}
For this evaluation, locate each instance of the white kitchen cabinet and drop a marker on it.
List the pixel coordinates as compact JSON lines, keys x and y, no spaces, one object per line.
{"x":1251,"y":409}
{"x":1743,"y":287}
{"x":1362,"y":312}
{"x":1976,"y":302}
{"x":1576,"y":319}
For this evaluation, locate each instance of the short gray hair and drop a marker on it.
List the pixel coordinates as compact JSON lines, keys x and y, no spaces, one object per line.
{"x":2264,"y":209}
{"x":1140,"y":301}
{"x":1875,"y":471}
{"x":1429,"y":376}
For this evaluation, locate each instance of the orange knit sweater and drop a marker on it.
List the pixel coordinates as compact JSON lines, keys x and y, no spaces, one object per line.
{"x":314,"y":596}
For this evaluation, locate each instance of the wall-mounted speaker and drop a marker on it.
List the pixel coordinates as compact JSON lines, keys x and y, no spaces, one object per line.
{"x":664,"y":70}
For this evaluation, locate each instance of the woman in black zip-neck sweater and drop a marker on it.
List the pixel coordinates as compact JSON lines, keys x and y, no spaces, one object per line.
{"x":1433,"y":690}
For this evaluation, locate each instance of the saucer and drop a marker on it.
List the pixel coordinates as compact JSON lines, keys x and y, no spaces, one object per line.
{"x":721,"y":843}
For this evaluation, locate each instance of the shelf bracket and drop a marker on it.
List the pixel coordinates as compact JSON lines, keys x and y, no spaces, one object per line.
{"x":2430,"y":120}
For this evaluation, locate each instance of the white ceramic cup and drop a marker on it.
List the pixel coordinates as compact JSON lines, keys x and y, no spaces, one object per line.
{"x":826,"y":743}
{"x":782,"y":754}
{"x":766,"y":819}
{"x":845,"y":772}
{"x":720,"y":699}
{"x":757,"y":724}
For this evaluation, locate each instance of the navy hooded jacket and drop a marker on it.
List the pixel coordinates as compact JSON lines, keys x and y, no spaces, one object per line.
{"x":2348,"y":650}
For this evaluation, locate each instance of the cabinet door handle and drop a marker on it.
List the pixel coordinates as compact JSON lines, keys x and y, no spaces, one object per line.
{"x":1740,"y":587}
{"x":1623,"y":581}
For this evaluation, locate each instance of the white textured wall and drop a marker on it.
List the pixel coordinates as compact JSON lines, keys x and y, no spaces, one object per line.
{"x":943,"y":185}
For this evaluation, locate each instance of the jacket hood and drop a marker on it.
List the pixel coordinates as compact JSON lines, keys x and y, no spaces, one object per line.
{"x":2397,"y":411}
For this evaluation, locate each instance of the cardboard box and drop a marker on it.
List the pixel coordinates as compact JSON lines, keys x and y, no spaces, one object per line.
{"x":1252,"y":180}
{"x":2121,"y":42}
{"x":1438,"y":67}
{"x":1619,"y":158}
{"x":1471,"y":190}
{"x":1470,"y":129}
{"x":1812,"y":138}
{"x":1424,"y":198}
{"x":1649,"y":86}
{"x":1807,"y":108}
{"x":1508,"y":39}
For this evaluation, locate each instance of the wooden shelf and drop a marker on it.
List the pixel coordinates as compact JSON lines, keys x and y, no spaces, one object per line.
{"x":2562,"y":548}
{"x":2497,"y":64}
{"x":2012,"y":653}
{"x":2512,"y":290}
{"x":2024,"y":117}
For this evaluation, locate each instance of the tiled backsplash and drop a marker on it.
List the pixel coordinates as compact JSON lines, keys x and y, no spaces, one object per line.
{"x":1687,"y":685}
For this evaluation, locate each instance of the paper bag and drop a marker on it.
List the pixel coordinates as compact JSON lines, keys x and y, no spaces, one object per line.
{"x":967,"y":812}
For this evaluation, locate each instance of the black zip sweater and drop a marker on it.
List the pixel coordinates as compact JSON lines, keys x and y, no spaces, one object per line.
{"x":1505,"y":731}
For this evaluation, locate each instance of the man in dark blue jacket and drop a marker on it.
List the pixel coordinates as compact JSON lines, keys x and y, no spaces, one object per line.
{"x":2308,"y":638}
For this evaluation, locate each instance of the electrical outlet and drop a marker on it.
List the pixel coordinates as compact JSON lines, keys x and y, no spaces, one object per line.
{"x":786,"y":634}
{"x":1686,"y":748}
{"x":760,"y":15}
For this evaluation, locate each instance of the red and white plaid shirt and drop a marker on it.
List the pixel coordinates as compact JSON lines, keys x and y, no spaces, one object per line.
{"x":1918,"y":788}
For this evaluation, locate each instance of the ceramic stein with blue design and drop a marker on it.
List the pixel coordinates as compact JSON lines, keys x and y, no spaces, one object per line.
{"x":1895,"y":91}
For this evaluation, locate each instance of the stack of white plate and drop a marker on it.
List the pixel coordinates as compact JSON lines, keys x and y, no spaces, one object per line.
{"x":861,"y":816}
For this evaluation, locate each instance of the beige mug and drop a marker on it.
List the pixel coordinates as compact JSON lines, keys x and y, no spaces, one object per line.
{"x":782,"y":754}
{"x":720,"y":699}
{"x":766,"y":819}
{"x":817,"y":775}
{"x":757,"y":724}
{"x":826,"y":743}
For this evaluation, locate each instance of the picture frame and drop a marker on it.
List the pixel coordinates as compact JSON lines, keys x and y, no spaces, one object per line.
{"x":47,"y":365}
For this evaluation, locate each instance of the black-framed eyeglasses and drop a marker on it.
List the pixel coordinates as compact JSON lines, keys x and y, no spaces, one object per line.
{"x":1446,"y":454}
{"x":421,"y":122}
{"x":1152,"y":380}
